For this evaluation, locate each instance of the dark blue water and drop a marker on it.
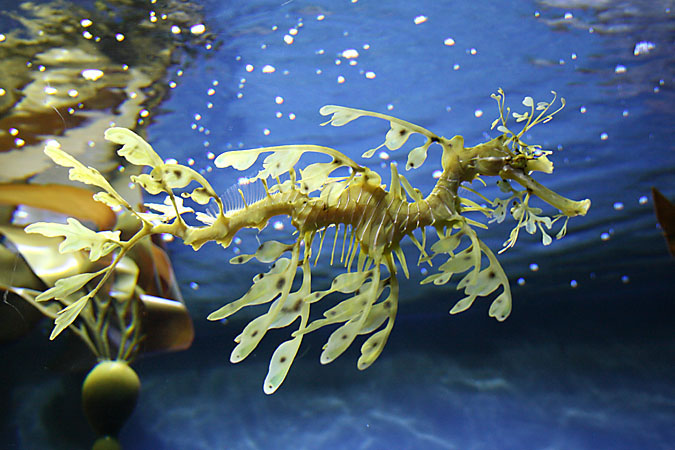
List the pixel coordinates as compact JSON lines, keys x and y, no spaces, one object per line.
{"x":587,"y":358}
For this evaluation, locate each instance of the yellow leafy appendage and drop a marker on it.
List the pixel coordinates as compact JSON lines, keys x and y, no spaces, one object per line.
{"x":374,"y":221}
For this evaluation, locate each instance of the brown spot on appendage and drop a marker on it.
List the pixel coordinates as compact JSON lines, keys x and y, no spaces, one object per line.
{"x":280,"y":283}
{"x":254,"y":333}
{"x":177,"y":173}
{"x":344,"y":337}
{"x":492,"y":274}
{"x":240,"y":259}
{"x":282,"y":359}
{"x":402,"y":132}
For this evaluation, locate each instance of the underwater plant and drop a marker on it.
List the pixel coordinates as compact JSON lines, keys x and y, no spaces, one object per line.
{"x":336,"y":193}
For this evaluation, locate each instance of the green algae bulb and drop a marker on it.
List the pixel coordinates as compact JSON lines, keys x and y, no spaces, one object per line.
{"x":109,"y":395}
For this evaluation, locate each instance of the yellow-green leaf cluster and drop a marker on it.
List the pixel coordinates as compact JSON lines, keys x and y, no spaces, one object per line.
{"x":78,"y":237}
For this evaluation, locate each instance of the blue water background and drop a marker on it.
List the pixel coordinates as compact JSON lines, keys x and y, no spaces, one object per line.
{"x":587,"y":358}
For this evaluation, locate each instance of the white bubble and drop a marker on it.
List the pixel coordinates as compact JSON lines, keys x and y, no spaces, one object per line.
{"x":350,"y":53}
{"x":91,"y":74}
{"x":643,"y":47}
{"x":198,"y":28}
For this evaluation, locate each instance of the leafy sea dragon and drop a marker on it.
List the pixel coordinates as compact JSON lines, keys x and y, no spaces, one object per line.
{"x":374,"y":221}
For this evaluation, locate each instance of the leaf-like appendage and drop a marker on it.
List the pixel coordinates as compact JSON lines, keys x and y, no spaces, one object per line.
{"x":148,"y":183}
{"x":340,"y":115}
{"x":78,"y":172}
{"x":68,"y":315}
{"x":417,"y":156}
{"x":280,"y":363}
{"x":396,"y":136}
{"x":280,"y":162}
{"x":501,"y":306}
{"x":238,"y":159}
{"x":108,"y":199}
{"x":78,"y":237}
{"x":271,"y":250}
{"x":66,"y":286}
{"x":134,"y":148}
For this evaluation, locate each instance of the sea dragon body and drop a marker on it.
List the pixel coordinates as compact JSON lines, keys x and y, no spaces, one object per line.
{"x":375,"y":218}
